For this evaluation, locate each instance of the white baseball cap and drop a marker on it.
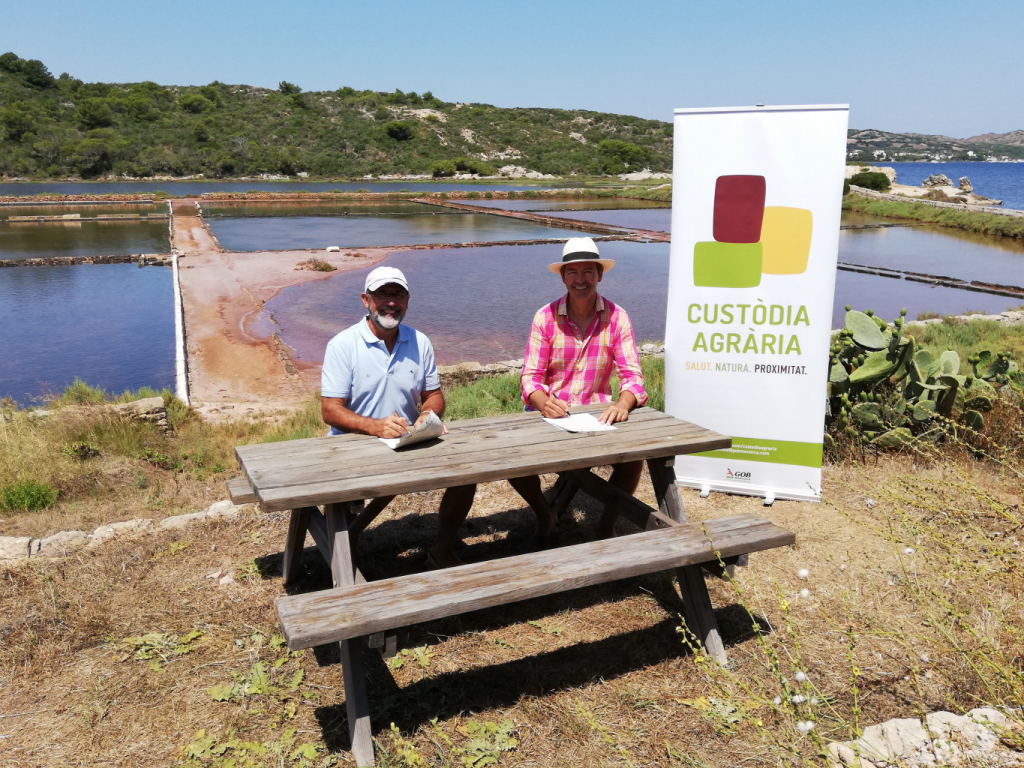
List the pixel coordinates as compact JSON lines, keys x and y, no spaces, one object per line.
{"x":381,"y":276}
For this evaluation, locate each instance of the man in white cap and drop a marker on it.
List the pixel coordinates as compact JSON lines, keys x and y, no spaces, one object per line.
{"x":576,"y":343}
{"x":379,"y":377}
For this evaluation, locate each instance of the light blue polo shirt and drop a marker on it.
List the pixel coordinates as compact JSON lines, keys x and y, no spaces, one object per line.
{"x":373,"y":381}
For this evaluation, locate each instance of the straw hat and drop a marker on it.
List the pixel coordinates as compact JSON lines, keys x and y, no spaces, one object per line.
{"x":580,"y":249}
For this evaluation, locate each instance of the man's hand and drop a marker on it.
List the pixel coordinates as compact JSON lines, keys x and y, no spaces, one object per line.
{"x":619,"y":410}
{"x":391,"y":426}
{"x":424,"y":415}
{"x":553,"y":408}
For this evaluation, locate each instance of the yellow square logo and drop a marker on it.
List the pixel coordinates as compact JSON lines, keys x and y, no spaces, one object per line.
{"x":785,"y":240}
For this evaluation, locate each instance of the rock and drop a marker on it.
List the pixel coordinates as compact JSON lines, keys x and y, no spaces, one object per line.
{"x":333,"y":249}
{"x":965,"y":184}
{"x":152,"y":407}
{"x":180,"y":521}
{"x":14,"y":547}
{"x":60,"y":543}
{"x":126,"y":528}
{"x":894,"y":739}
{"x":226,"y":580}
{"x":948,"y":739}
{"x":937,"y":180}
{"x":223,"y":509}
{"x":644,"y":175}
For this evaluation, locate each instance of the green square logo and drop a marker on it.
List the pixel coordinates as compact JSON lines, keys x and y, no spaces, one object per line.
{"x":727,"y":265}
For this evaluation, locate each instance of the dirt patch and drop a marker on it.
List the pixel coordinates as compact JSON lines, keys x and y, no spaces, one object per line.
{"x":593,"y":677}
{"x":223,"y":294}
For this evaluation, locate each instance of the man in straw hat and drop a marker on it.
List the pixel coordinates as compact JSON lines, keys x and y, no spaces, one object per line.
{"x":576,"y":343}
{"x":379,"y":377}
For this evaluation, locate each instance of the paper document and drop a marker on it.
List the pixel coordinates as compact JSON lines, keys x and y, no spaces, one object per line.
{"x":431,"y":427}
{"x":579,"y":422}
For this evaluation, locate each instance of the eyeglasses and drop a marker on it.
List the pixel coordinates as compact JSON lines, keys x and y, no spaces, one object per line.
{"x":389,"y":295}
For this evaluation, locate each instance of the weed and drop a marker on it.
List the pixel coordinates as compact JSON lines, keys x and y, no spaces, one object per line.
{"x":421,"y":656}
{"x":80,"y":450}
{"x":316,"y":265}
{"x":27,"y":496}
{"x":161,"y":648}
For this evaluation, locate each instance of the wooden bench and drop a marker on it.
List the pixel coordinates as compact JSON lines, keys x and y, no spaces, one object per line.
{"x":349,"y":612}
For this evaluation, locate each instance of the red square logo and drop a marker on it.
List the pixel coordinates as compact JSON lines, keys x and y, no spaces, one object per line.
{"x":739,"y":209}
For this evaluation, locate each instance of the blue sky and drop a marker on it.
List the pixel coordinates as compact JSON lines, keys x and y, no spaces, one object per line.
{"x":932,"y":67}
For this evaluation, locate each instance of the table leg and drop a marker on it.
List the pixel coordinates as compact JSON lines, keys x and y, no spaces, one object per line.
{"x":297,"y":527}
{"x":565,"y":492}
{"x":663,"y":478}
{"x":697,"y":610}
{"x":356,"y":702}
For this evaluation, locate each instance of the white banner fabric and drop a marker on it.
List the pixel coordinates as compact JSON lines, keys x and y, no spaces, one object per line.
{"x":756,"y":204}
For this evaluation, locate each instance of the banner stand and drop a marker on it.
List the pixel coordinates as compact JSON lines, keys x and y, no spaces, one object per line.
{"x":756,"y":209}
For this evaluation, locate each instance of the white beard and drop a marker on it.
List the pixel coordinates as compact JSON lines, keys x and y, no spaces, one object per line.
{"x":387,"y":322}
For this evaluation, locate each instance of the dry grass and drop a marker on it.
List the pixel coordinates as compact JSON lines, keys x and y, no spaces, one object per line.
{"x":596,"y":677}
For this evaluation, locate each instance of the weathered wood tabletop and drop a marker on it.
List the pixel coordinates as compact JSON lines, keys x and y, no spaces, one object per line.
{"x":326,"y":470}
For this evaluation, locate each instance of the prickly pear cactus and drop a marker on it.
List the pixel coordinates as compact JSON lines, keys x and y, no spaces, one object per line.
{"x":885,"y":390}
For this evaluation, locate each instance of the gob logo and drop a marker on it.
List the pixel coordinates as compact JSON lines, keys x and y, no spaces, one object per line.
{"x":737,"y":475}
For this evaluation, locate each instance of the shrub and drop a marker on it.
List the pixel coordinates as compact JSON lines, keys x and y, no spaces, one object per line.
{"x":194,"y":103}
{"x":442,"y":168}
{"x":27,"y":495}
{"x":846,"y":187}
{"x":398,"y":130}
{"x":621,"y":153}
{"x":470,"y":165}
{"x":95,"y":113}
{"x":871,"y":180}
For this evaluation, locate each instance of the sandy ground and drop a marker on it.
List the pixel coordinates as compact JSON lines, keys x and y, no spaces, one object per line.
{"x":223,"y":293}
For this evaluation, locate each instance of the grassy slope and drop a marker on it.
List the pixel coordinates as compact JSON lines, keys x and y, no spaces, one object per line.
{"x":913,"y":604}
{"x":68,"y":127}
{"x":970,"y":221}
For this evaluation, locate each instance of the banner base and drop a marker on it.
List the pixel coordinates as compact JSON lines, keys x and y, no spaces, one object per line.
{"x":769,"y":496}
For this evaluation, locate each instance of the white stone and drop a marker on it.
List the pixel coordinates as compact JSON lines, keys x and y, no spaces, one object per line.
{"x":803,"y":573}
{"x":224,"y":509}
{"x":894,"y":739}
{"x":224,"y":580}
{"x":333,"y":249}
{"x":14,"y":547}
{"x":125,"y":528}
{"x":180,"y":521}
{"x":61,"y":543}
{"x":214,"y":575}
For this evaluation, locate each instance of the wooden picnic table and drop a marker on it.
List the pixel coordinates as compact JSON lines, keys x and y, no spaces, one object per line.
{"x":342,"y":472}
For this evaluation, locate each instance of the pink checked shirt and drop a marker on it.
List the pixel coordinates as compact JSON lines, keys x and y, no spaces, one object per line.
{"x":577,"y":366}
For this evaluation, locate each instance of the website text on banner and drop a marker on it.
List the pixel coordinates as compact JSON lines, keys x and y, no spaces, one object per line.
{"x":755,"y":237}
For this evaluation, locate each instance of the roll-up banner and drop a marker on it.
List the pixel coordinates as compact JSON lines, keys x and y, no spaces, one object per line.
{"x":756,"y":200}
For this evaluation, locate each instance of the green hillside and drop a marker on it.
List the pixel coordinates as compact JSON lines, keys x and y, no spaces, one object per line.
{"x":58,"y":127}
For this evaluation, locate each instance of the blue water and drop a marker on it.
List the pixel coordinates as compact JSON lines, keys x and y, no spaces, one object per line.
{"x":279,"y":233}
{"x":475,"y":303}
{"x":33,"y":240}
{"x":111,"y":325}
{"x":19,"y":188}
{"x":948,"y":253}
{"x":544,"y":204}
{"x":483,"y":320}
{"x":657,"y":219}
{"x":1000,"y":181}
